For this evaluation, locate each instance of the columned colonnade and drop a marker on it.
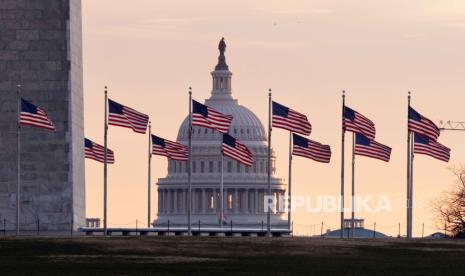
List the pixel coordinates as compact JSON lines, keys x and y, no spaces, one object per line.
{"x":204,"y":201}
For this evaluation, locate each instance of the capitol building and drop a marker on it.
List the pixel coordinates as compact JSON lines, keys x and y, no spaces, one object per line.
{"x":244,"y":187}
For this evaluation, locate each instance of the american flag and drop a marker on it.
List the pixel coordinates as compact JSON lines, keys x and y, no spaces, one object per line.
{"x":371,"y":148}
{"x":310,"y":149}
{"x":422,"y":125}
{"x":235,"y":150}
{"x":123,"y":116}
{"x":96,"y":152}
{"x":170,"y":149}
{"x":205,"y":116}
{"x":34,"y":116}
{"x":425,"y":145}
{"x":286,"y":118}
{"x":356,"y":122}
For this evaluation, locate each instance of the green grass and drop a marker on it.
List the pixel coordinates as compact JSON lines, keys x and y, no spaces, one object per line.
{"x":223,"y":256}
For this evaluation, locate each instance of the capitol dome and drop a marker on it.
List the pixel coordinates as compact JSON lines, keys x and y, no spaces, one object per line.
{"x":244,"y":187}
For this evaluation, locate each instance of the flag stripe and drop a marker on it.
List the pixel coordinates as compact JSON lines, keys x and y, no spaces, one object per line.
{"x":310,"y":149}
{"x":208,"y":117}
{"x":169,"y":149}
{"x":233,"y":149}
{"x":420,"y":124}
{"x":123,"y":116}
{"x":34,"y":116}
{"x":356,"y":122}
{"x":427,"y":146}
{"x":370,"y":148}
{"x":96,"y":152}
{"x":288,"y":119}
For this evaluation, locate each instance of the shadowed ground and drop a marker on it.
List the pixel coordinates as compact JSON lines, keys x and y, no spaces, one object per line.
{"x":213,"y":256}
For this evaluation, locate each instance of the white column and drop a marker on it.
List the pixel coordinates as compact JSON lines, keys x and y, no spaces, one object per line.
{"x":183,"y":204}
{"x":175,"y":201}
{"x":236,"y":201}
{"x":204,"y":201}
{"x":245,"y":204}
{"x":225,"y":201}
{"x":165,"y":199}
{"x":257,"y":206}
{"x":159,"y":202}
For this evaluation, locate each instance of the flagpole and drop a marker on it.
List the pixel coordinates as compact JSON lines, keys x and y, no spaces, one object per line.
{"x":221,"y":191}
{"x":412,"y":156}
{"x":408,"y":170}
{"x":189,"y":164}
{"x":149,"y":191}
{"x":353,"y":184}
{"x":268,"y":215}
{"x":18,"y":188}
{"x":289,"y":221}
{"x":105,"y":158}
{"x":342,"y":164}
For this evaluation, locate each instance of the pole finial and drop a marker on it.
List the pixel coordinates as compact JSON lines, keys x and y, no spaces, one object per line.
{"x":106,"y":89}
{"x":190,"y":90}
{"x":269,"y":92}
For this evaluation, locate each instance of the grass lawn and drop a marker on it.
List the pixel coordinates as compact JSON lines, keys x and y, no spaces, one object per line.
{"x":221,"y":256}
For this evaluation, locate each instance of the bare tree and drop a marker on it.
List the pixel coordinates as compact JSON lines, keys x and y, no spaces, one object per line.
{"x":450,"y":207}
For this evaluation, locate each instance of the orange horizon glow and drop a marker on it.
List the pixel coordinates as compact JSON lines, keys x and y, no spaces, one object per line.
{"x":149,"y":52}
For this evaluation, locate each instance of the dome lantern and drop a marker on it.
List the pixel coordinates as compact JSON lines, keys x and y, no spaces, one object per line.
{"x":221,"y":77}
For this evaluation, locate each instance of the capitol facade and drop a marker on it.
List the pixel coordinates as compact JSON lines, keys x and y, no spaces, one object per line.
{"x":244,"y":187}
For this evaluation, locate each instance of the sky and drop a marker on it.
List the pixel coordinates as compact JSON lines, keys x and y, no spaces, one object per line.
{"x":148,"y":53}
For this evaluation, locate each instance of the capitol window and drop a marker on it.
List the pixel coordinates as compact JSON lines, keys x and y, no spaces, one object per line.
{"x":210,"y":167}
{"x":211,"y":201}
{"x":202,"y":167}
{"x":230,"y":200}
{"x":238,"y":167}
{"x":247,"y":169}
{"x":229,"y":167}
{"x":219,"y":166}
{"x":194,"y":167}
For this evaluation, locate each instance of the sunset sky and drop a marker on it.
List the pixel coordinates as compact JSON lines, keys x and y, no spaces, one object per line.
{"x":149,"y":52}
